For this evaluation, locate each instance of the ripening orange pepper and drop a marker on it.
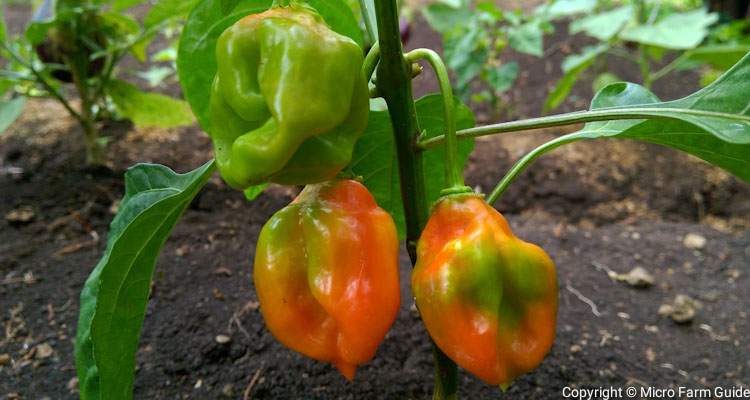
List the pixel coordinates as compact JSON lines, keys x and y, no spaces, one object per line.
{"x":326,"y":274}
{"x":487,"y":298}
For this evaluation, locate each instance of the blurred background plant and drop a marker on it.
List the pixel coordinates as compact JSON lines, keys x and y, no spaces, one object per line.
{"x":70,"y":51}
{"x":474,"y":40}
{"x":657,"y":36}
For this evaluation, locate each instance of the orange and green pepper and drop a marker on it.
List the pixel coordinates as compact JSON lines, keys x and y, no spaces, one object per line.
{"x":487,"y":298}
{"x":289,"y":99}
{"x":326,"y":274}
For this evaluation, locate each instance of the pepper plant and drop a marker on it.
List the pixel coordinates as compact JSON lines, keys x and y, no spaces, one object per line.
{"x":79,"y":44}
{"x":325,"y":266}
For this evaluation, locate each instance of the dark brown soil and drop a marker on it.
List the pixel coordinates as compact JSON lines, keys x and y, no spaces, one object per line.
{"x":592,"y":206}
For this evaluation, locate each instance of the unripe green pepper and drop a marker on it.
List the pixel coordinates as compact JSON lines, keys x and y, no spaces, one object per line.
{"x":487,"y":298}
{"x":289,"y":99}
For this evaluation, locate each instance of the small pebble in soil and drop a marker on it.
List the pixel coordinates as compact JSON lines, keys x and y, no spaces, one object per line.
{"x":222,"y":339}
{"x":638,"y":277}
{"x":694,"y":241}
{"x":20,"y":215}
{"x":682,"y":310}
{"x":73,"y":384}
{"x":43,"y":350}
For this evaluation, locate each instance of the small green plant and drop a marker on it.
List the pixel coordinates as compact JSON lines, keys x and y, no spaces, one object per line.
{"x":79,"y":44}
{"x":643,"y":33}
{"x":474,"y":40}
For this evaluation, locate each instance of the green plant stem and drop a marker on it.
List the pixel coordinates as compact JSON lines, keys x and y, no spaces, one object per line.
{"x":668,"y":68}
{"x":524,"y":162}
{"x":94,"y":149}
{"x":394,"y":83}
{"x":453,"y":171}
{"x":645,"y":66}
{"x":367,"y":16}
{"x":43,"y":81}
{"x":602,"y":114}
{"x":371,"y":61}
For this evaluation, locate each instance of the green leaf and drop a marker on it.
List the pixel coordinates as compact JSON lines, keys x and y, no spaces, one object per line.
{"x":196,"y":60}
{"x":44,"y":17}
{"x":253,"y":192}
{"x":713,"y":123}
{"x":148,"y":109}
{"x":444,"y":18}
{"x":375,"y":159}
{"x":679,"y":31}
{"x":718,"y":56}
{"x":121,"y":5}
{"x":565,"y":8}
{"x":9,"y":111}
{"x":465,"y":55}
{"x":603,"y":80}
{"x":3,"y":30}
{"x":501,"y":79}
{"x":573,"y":66}
{"x":114,"y":297}
{"x":167,"y":9}
{"x":155,"y":76}
{"x":603,"y":26}
{"x":527,"y":38}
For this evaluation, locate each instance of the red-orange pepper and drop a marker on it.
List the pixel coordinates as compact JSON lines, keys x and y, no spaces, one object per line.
{"x":326,"y":274}
{"x":487,"y":298}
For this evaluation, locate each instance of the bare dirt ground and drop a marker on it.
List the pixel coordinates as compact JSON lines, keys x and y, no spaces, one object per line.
{"x":593,"y":206}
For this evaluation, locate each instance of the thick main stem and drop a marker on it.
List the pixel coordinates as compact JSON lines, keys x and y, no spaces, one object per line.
{"x":394,"y":84}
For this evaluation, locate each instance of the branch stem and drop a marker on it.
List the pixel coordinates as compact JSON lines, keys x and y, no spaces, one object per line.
{"x":453,"y":172}
{"x":394,"y":84}
{"x":577,"y":117}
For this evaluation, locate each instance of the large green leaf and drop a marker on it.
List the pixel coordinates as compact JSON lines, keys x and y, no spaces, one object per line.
{"x":148,"y":109}
{"x":603,"y":26}
{"x":114,"y":297}
{"x":713,"y":123}
{"x":196,"y":59}
{"x":573,"y":66}
{"x":678,"y":31}
{"x":375,"y":160}
{"x":9,"y":111}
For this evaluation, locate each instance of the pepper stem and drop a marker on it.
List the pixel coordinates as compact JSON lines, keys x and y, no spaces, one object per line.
{"x":371,"y":61}
{"x":453,"y":171}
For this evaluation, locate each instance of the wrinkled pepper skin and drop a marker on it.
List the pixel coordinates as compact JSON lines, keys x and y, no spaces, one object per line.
{"x":289,"y":99}
{"x":487,"y":298}
{"x":326,"y":274}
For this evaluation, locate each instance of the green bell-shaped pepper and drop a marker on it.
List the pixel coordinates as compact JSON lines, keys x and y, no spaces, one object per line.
{"x":289,"y":99}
